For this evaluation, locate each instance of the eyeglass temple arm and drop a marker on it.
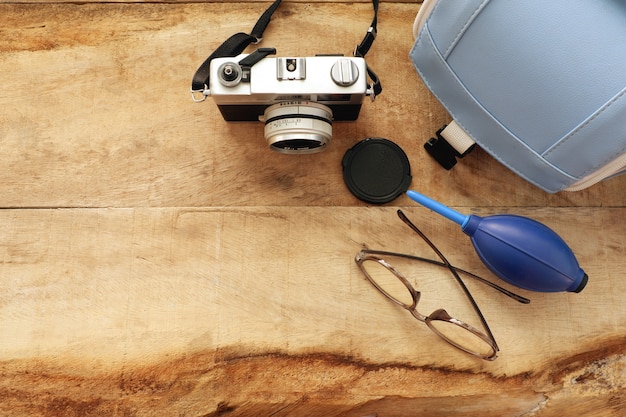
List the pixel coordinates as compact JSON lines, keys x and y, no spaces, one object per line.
{"x":453,"y":271}
{"x":510,"y":294}
{"x":493,"y":285}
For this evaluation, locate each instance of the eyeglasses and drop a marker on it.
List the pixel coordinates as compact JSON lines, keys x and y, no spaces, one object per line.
{"x":378,"y":269}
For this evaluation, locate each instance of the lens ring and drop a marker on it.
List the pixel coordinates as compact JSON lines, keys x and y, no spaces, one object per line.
{"x":298,"y":127}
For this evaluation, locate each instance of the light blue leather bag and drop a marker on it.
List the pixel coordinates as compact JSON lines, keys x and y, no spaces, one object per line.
{"x":539,"y":84}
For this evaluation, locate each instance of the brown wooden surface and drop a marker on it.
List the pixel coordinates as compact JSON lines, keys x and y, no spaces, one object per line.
{"x":158,"y":261}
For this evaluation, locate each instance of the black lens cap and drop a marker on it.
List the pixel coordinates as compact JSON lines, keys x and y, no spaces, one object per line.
{"x":376,"y":170}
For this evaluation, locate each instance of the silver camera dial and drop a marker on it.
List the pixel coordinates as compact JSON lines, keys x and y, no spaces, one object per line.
{"x":229,"y":74}
{"x":344,"y":72}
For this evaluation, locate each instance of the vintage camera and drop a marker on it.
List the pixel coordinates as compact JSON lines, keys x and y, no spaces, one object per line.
{"x":296,"y":98}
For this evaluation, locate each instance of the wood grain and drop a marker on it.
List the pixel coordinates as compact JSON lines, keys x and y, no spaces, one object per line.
{"x":159,"y":261}
{"x":270,"y":298}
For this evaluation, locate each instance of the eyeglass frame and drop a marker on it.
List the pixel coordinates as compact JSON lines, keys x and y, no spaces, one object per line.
{"x":439,"y":314}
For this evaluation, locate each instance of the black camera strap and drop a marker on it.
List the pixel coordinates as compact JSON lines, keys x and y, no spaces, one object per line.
{"x":238,"y":42}
{"x":362,"y":49}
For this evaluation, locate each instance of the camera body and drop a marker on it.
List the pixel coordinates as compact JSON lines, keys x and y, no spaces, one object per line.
{"x":296,"y":97}
{"x":275,"y":80}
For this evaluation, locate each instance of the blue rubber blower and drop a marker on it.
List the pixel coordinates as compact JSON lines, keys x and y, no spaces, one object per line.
{"x":519,"y":250}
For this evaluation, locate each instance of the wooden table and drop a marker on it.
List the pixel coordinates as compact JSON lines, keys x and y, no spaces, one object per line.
{"x":159,"y":261}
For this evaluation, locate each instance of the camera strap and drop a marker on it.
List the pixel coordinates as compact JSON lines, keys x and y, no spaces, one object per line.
{"x":238,"y":42}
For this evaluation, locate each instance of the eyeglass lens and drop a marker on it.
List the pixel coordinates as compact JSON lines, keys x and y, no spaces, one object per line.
{"x":387,"y":282}
{"x":463,"y":338}
{"x":382,"y":273}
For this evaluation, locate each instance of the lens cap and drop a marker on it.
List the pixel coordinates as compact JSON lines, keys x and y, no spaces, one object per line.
{"x":376,"y":170}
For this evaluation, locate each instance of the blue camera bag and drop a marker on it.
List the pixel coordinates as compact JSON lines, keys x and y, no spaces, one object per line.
{"x":539,"y":84}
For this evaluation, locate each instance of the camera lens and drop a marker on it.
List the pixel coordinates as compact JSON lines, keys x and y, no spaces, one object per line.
{"x":298,"y":127}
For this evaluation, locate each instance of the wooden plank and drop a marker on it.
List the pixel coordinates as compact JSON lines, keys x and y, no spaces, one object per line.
{"x":96,"y":112}
{"x":158,"y":261}
{"x":263,"y":310}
